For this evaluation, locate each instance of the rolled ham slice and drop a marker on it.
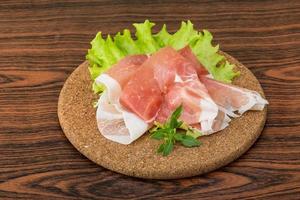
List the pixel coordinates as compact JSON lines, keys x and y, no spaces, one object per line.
{"x":165,"y":81}
{"x":142,"y":95}
{"x":187,"y":53}
{"x":126,"y":68}
{"x":198,"y":107}
{"x":114,"y":121}
{"x":220,"y":122}
{"x":232,"y":99}
{"x":141,"y":89}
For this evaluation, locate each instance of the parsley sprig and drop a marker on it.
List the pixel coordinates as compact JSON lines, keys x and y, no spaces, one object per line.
{"x":172,"y":131}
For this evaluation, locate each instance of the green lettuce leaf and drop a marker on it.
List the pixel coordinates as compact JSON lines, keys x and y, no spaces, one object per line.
{"x":162,"y":37}
{"x":126,"y":43}
{"x":184,"y":36}
{"x":106,"y":52}
{"x":209,"y":57}
{"x":145,"y":39}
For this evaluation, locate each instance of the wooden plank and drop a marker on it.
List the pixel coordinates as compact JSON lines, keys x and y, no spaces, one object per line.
{"x":41,"y":43}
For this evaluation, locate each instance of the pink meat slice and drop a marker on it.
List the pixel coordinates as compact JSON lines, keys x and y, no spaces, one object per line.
{"x":189,"y":55}
{"x":186,"y":93}
{"x":167,"y":63}
{"x":125,"y":68}
{"x":144,"y":93}
{"x":220,"y":122}
{"x":181,"y":85}
{"x":224,"y":94}
{"x":233,"y":98}
{"x":162,"y":83}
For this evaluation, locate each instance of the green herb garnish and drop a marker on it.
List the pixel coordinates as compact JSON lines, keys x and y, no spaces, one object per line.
{"x":174,"y":130}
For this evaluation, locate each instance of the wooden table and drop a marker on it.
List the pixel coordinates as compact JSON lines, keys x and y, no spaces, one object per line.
{"x":42,"y":42}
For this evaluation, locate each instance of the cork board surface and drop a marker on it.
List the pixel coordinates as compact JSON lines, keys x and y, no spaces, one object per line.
{"x":139,"y":159}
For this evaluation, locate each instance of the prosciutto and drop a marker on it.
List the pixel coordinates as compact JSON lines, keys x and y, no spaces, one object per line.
{"x":198,"y":107}
{"x":189,"y":55}
{"x":114,"y":122}
{"x":141,"y":89}
{"x":126,"y":68}
{"x":142,"y":94}
{"x":232,"y":98}
{"x":165,"y":81}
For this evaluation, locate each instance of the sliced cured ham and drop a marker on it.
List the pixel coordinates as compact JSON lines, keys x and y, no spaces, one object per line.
{"x":179,"y":84}
{"x":114,"y":122}
{"x":125,"y":68}
{"x":233,"y":99}
{"x":187,"y":53}
{"x":220,"y":122}
{"x":198,"y":107}
{"x":141,"y":89}
{"x":142,"y":95}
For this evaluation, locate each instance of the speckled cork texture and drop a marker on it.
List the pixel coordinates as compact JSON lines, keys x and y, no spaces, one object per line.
{"x":139,"y":159}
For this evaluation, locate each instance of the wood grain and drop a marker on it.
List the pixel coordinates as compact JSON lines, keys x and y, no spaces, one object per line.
{"x":41,"y":43}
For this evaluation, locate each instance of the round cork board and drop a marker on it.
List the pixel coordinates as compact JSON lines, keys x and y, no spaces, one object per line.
{"x":139,"y":159}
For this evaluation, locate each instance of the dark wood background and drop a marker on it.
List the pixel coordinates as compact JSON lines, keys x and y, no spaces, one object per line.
{"x":42,"y":42}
